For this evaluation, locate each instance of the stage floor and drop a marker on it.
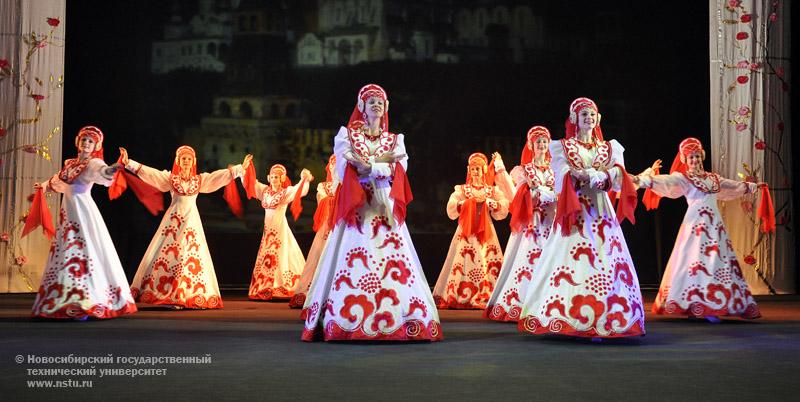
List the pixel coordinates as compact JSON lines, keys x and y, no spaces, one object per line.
{"x":252,"y":350}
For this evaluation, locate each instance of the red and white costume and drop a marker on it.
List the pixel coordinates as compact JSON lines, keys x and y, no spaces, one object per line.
{"x":83,"y":276}
{"x":475,"y":257}
{"x":177,"y":268}
{"x":323,"y":219}
{"x":369,"y":284}
{"x":533,"y":210}
{"x":703,"y":276}
{"x":585,"y":284}
{"x":280,"y":261}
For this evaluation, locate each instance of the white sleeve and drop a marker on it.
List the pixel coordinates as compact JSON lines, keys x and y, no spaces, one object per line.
{"x":156,"y":178}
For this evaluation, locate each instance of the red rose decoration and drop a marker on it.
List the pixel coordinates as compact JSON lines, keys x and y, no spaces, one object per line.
{"x":53,"y":22}
{"x":773,"y":17}
{"x":742,"y":36}
{"x":761,"y":145}
{"x":30,"y":197}
{"x":779,"y":72}
{"x":750,"y":260}
{"x":4,"y":63}
{"x":2,"y":132}
{"x":37,"y":97}
{"x":742,"y":79}
{"x":747,"y":18}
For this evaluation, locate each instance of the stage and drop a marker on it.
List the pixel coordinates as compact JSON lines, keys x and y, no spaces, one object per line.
{"x":252,"y":350}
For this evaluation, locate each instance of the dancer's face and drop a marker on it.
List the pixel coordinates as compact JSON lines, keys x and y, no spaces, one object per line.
{"x":275,"y":180}
{"x":476,"y":171}
{"x":587,"y":119}
{"x":540,"y":146}
{"x":186,"y":161}
{"x":86,"y":144}
{"x":695,"y":160}
{"x":374,"y":108}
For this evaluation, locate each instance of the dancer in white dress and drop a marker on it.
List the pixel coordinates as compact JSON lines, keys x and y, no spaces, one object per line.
{"x":532,"y":213}
{"x":83,"y":276}
{"x":177,"y":269}
{"x":475,"y":257}
{"x":703,"y":278}
{"x":323,"y":219}
{"x":280,"y":261}
{"x":585,"y":284}
{"x":369,"y":284}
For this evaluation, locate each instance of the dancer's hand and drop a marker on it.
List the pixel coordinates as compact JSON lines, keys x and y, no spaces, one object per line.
{"x":123,"y":156}
{"x":580,"y":174}
{"x":37,"y":186}
{"x":306,"y":175}
{"x":359,"y":164}
{"x":761,"y":184}
{"x":656,"y":165}
{"x":248,"y":159}
{"x":389,"y":157}
{"x":499,"y":166}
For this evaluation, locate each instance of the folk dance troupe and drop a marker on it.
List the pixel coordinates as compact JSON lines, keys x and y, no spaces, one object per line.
{"x":565,"y":269}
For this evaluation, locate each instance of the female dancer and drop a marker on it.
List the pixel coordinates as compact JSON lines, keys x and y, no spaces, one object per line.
{"x":369,"y":283}
{"x":279,"y":262}
{"x":533,"y":210}
{"x":703,"y":278}
{"x":83,"y":277}
{"x":585,"y":284}
{"x":474,"y":258}
{"x":176,"y":269}
{"x":323,"y":219}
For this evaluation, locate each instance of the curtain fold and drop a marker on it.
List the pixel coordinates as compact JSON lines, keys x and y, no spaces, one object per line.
{"x":749,"y":46}
{"x":31,"y":111}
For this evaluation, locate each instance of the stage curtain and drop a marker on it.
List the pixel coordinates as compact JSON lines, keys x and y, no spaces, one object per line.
{"x":31,"y":100}
{"x":749,"y":46}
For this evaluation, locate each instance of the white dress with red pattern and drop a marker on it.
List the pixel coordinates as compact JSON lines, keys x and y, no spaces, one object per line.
{"x":585,"y":283}
{"x":83,"y":276}
{"x":325,"y":190}
{"x":280,"y":261}
{"x":176,"y":268}
{"x":369,"y":284}
{"x":471,"y":268}
{"x":703,"y":276}
{"x":523,"y":248}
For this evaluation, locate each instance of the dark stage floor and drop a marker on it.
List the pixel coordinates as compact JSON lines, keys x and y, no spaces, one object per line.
{"x":256,"y":354}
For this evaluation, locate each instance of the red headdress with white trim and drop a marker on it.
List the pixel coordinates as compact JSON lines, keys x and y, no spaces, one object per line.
{"x":572,"y":121}
{"x":184,"y":150}
{"x":95,"y":134}
{"x":534,"y":134}
{"x":359,"y":111}
{"x":281,"y":171}
{"x":686,"y":148}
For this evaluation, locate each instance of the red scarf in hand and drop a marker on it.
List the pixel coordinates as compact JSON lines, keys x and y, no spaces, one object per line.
{"x":521,"y":209}
{"x":39,"y":214}
{"x":149,"y":196}
{"x":474,"y":220}
{"x":568,"y":208}
{"x":766,"y":211}
{"x":627,"y":199}
{"x":297,"y":207}
{"x":401,"y":193}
